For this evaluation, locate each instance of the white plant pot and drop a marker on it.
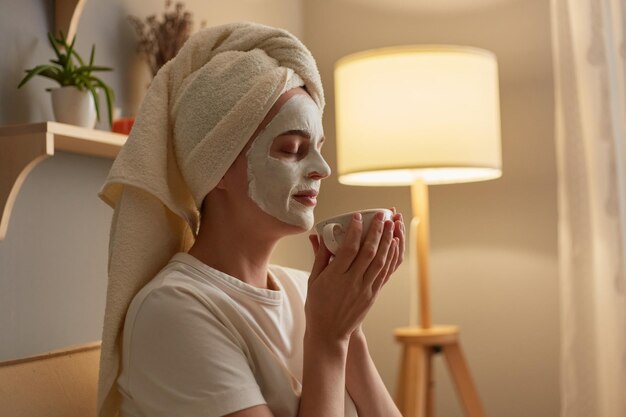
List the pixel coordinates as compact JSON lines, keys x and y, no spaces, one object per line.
{"x":72,"y":106}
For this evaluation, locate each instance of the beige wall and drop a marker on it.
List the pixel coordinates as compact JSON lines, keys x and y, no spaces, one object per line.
{"x":494,"y":266}
{"x":494,"y":244}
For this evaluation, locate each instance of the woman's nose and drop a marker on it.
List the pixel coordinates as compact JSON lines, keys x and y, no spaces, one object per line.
{"x":318,"y":168}
{"x":317,"y":176}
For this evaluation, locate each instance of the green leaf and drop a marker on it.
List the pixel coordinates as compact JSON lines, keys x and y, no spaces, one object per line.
{"x":32,"y":72}
{"x":66,"y":56}
{"x":96,"y":99}
{"x":69,"y":52}
{"x":53,"y":43}
{"x":90,"y":69}
{"x":80,"y":59}
{"x":53,"y":73}
{"x":72,"y":79}
{"x":93,"y":51}
{"x":110,"y":97}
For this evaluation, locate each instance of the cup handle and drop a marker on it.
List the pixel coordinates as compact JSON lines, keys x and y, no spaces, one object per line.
{"x":328,"y":234}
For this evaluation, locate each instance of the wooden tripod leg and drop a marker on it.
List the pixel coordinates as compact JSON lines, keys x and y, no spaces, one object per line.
{"x":463,"y":380}
{"x":413,"y":381}
{"x":401,"y":395}
{"x":430,"y":381}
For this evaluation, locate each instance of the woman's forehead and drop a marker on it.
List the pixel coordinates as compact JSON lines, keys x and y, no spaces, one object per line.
{"x":275,"y":109}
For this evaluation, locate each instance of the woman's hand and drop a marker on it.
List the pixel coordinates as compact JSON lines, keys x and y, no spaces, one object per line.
{"x":341,"y":292}
{"x":399,"y":231}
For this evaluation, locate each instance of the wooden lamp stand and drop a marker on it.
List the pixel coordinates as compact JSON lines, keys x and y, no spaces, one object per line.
{"x":415,"y":392}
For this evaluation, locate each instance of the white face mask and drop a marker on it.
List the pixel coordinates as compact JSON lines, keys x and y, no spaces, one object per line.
{"x":272,"y":182}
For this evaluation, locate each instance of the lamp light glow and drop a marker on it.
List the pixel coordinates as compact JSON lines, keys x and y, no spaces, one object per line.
{"x":417,"y":112}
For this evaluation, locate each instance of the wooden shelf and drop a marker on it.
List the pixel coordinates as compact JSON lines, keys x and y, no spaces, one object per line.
{"x":22,"y":147}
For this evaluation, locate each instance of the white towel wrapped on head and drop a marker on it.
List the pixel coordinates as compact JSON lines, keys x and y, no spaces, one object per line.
{"x":199,"y":112}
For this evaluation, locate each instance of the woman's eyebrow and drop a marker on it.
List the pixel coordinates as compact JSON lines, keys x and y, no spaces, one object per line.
{"x":301,"y":133}
{"x":297,"y":132}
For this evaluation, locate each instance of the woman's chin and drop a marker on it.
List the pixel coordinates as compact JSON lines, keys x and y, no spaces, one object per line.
{"x":292,"y":222}
{"x":297,"y":227}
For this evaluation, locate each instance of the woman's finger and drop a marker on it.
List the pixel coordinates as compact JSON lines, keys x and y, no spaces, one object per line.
{"x":369,"y":249}
{"x":322,"y":258}
{"x":378,"y":263}
{"x":400,"y":233}
{"x":315,"y":242}
{"x":385,"y":273}
{"x":394,"y":261}
{"x":349,"y":248}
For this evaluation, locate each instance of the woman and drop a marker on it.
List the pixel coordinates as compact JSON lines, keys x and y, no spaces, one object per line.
{"x":217,"y":330}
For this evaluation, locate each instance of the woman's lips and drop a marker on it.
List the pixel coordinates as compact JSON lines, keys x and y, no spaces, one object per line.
{"x":307,"y":198}
{"x":309,"y":201}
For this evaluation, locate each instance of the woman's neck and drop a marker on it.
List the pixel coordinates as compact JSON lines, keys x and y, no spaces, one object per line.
{"x":234,"y":251}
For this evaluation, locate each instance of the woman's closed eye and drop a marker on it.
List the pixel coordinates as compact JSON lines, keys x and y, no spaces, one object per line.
{"x":293,"y":150}
{"x":290,"y":148}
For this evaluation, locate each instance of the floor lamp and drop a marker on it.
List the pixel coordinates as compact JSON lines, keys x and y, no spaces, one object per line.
{"x":419,"y":116}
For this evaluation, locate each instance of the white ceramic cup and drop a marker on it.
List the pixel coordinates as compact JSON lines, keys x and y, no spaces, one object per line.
{"x":333,"y":230}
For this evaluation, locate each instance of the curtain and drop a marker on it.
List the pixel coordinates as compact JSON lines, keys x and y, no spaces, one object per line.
{"x":589,"y":50}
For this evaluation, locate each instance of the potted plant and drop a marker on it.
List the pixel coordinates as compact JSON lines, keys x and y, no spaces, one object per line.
{"x":76,"y":101}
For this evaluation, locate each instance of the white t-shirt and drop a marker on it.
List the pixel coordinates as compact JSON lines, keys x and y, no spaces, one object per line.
{"x":199,"y":342}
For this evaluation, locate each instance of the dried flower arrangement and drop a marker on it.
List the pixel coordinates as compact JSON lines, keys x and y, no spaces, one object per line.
{"x":160,"y":41}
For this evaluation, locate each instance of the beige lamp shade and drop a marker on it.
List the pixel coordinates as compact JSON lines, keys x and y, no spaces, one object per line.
{"x":426,"y":112}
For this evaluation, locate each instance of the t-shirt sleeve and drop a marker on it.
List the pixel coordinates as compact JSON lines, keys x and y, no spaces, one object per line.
{"x":183,"y":361}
